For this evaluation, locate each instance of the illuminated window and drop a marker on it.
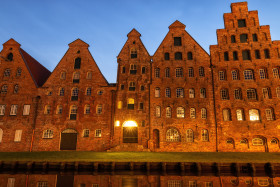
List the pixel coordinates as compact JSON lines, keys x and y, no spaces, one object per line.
{"x":235,"y":75}
{"x":189,"y":135}
{"x":226,"y":115}
{"x":48,"y":133}
{"x":202,"y":93}
{"x":269,"y":114}
{"x":257,"y":141}
{"x":131,"y":86}
{"x":179,"y":92}
{"x":99,"y":109}
{"x":7,"y":73}
{"x":26,"y":110}
{"x":192,"y":113}
{"x":179,"y":72}
{"x":63,"y":75}
{"x":130,"y":104}
{"x":224,"y":94}
{"x":86,"y":133}
{"x":222,"y":76}
{"x":75,"y":93}
{"x":275,"y":72}
{"x":11,"y":181}
{"x":167,"y":72}
{"x":254,"y":115}
{"x":77,"y":63}
{"x":61,"y":92}
{"x":204,"y":135}
{"x":157,"y":92}
{"x":76,"y":77}
{"x":201,"y":72}
{"x":168,"y":112}
{"x":88,"y":91}
{"x":18,"y":73}
{"x":237,"y":94}
{"x":167,"y":92}
{"x":178,"y":56}
{"x":251,"y":94}
{"x":191,"y":72}
{"x":191,"y":93}
{"x":239,"y":115}
{"x":2,"y":110}
{"x":266,"y":93}
{"x":13,"y":111}
{"x":120,"y":104}
{"x":248,"y":74}
{"x":263,"y":182}
{"x":263,"y":74}
{"x":1,"y":135}
{"x":133,"y":69}
{"x":89,"y":75}
{"x":180,"y":112}
{"x":73,"y":112}
{"x":157,"y":72}
{"x":172,"y":135}
{"x":87,"y":109}
{"x":133,"y":53}
{"x":18,"y":134}
{"x":203,"y":113}
{"x":98,"y":133}
{"x":59,"y":109}
{"x":158,"y":111}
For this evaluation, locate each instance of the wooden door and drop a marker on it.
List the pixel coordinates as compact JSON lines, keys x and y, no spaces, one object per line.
{"x":130,"y":134}
{"x":68,"y":141}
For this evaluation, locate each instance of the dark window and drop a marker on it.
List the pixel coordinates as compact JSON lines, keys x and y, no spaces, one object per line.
{"x":122,"y":87}
{"x":190,"y":56}
{"x":243,"y":38}
{"x":73,"y":116}
{"x":133,"y":69}
{"x":177,"y":41}
{"x":235,"y":55}
{"x":123,"y":69}
{"x":246,"y":55}
{"x":142,"y":88}
{"x":130,"y":106}
{"x":10,"y":56}
{"x":178,"y":56}
{"x":131,"y":86}
{"x":226,"y":56}
{"x":233,"y":40}
{"x":133,"y":53}
{"x":74,"y":98}
{"x":241,"y":23}
{"x":143,"y":70}
{"x":143,"y":123}
{"x":166,"y":56}
{"x":266,"y":53}
{"x":257,"y":54}
{"x":141,"y":106}
{"x":77,"y":63}
{"x":255,"y":37}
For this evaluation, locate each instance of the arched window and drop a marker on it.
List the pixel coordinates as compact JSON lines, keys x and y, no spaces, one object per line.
{"x":189,"y":135}
{"x":235,"y":75}
{"x":99,"y":109}
{"x":191,"y":93}
{"x":178,"y":56}
{"x":130,"y":104}
{"x":237,"y":94}
{"x":16,"y":88}
{"x":4,"y":89}
{"x":263,"y":74}
{"x":166,"y":56}
{"x":172,"y":135}
{"x":257,"y":141}
{"x":47,"y":109}
{"x":158,"y":111}
{"x":201,"y":72}
{"x":1,"y":135}
{"x":179,"y":92}
{"x":18,"y":73}
{"x":76,"y":77}
{"x":202,"y":93}
{"x":269,"y":114}
{"x":275,"y":72}
{"x":180,"y":112}
{"x":75,"y":93}
{"x":63,"y":75}
{"x":226,"y":115}
{"x":77,"y":63}
{"x":73,"y":112}
{"x":203,"y":113}
{"x":48,"y":133}
{"x":10,"y":56}
{"x":88,"y":91}
{"x":89,"y":75}
{"x":168,"y":112}
{"x":190,"y":56}
{"x":157,"y":92}
{"x":61,"y":92}
{"x":59,"y":109}
{"x":224,"y":94}
{"x":87,"y":109}
{"x":179,"y":72}
{"x":131,"y":86}
{"x":157,"y":72}
{"x":252,"y":94}
{"x":204,"y":135}
{"x":254,"y":115}
{"x":192,"y":113}
{"x":248,"y":74}
{"x":239,"y":114}
{"x":7,"y":73}
{"x":167,"y":92}
{"x":167,"y":72}
{"x":133,"y":53}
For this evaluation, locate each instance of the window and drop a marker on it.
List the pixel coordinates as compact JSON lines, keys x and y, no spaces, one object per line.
{"x":88,"y":91}
{"x":275,"y":73}
{"x":47,"y":109}
{"x":158,"y":111}
{"x":179,"y":72}
{"x":73,"y":112}
{"x":2,"y":110}
{"x":133,"y":53}
{"x":166,"y":56}
{"x":192,"y":183}
{"x":99,"y":109}
{"x":226,"y":56}
{"x":89,"y":75}
{"x":255,"y":37}
{"x":202,"y":93}
{"x":4,"y":89}
{"x":75,"y":93}
{"x":87,"y":109}
{"x":177,"y":41}
{"x":246,"y":55}
{"x":168,"y":112}
{"x":18,"y":134}
{"x":157,"y":92}
{"x":179,"y":92}
{"x":61,"y":92}
{"x":123,"y":69}
{"x":141,"y":106}
{"x":168,"y":92}
{"x":16,"y":89}
{"x":278,"y":92}
{"x":130,"y":104}
{"x":233,"y":40}
{"x":235,"y":55}
{"x":167,"y":72}
{"x":241,"y":23}
{"x":190,"y":56}
{"x":237,"y":94}
{"x":180,"y":112}
{"x":224,"y":94}
{"x":269,"y":114}
{"x":26,"y":110}
{"x":59,"y":109}
{"x":86,"y":133}
{"x":254,"y":115}
{"x":133,"y":69}
{"x":7,"y":73}
{"x":18,"y":74}
{"x":120,"y":104}
{"x":263,"y":74}
{"x":98,"y":133}
{"x":76,"y":77}
{"x":243,"y":38}
{"x":266,"y":93}
{"x":10,"y":56}
{"x":131,"y":86}
{"x":257,"y":54}
{"x":178,"y":56}
{"x":191,"y":72}
{"x":99,"y":92}
{"x":222,"y":76}
{"x":13,"y":111}
{"x":189,"y":135}
{"x":251,"y":94}
{"x":257,"y":141}
{"x":11,"y":181}
{"x":142,"y":88}
{"x":208,"y":184}
{"x":172,"y":135}
{"x":191,"y":93}
{"x":1,"y":135}
{"x":143,"y":70}
{"x":239,"y":115}
{"x":48,"y":133}
{"x":248,"y":75}
{"x":63,"y":75}
{"x":234,"y":75}
{"x":157,"y":75}
{"x":203,"y":113}
{"x":192,"y":113}
{"x":226,"y":115}
{"x":77,"y":63}
{"x":204,"y":135}
{"x":263,"y":182}
{"x":201,"y":72}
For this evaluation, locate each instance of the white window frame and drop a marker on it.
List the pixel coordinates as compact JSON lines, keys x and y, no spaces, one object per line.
{"x":18,"y":135}
{"x":172,"y":135}
{"x":13,"y":111}
{"x":239,"y":115}
{"x":204,"y":135}
{"x":180,"y":112}
{"x":26,"y":110}
{"x":48,"y":134}
{"x":97,"y":133}
{"x":86,"y":133}
{"x":192,"y":113}
{"x":2,"y":110}
{"x":157,"y":92}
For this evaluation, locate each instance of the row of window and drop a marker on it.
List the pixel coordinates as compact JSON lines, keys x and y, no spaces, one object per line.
{"x":179,"y":72}
{"x":255,"y":141}
{"x":178,"y":56}
{"x":243,"y":38}
{"x":75,"y":92}
{"x":17,"y":137}
{"x":180,"y":92}
{"x":14,"y":110}
{"x":180,"y":112}
{"x":249,"y":74}
{"x":254,"y":114}
{"x":173,"y":135}
{"x":246,"y":55}
{"x":179,"y":183}
{"x":48,"y":134}
{"x":7,"y":72}
{"x":4,"y":89}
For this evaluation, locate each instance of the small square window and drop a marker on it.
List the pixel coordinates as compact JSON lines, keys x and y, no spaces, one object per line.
{"x":98,"y":133}
{"x":86,"y":133}
{"x":241,"y":23}
{"x":177,"y":41}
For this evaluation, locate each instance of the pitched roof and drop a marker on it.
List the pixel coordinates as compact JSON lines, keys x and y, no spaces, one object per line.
{"x":38,"y":72}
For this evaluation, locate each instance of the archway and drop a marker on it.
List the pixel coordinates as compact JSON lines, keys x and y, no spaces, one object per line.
{"x":68,"y":139}
{"x":130,"y":132}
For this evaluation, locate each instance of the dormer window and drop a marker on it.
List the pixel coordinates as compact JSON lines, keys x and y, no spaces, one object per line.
{"x":241,"y":23}
{"x":77,"y":63}
{"x":133,"y":53}
{"x":10,"y":56}
{"x":177,"y":41}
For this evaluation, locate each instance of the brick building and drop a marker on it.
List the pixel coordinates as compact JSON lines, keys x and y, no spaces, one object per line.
{"x":179,"y":99}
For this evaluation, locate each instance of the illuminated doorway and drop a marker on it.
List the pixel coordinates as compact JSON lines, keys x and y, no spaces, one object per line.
{"x":130,"y":132}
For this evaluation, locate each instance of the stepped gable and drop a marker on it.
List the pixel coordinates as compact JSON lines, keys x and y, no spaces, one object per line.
{"x":177,"y":25}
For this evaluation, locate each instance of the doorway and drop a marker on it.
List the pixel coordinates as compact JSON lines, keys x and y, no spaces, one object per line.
{"x":68,"y":140}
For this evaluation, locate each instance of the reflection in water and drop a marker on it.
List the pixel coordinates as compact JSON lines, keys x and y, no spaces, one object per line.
{"x":69,"y":180}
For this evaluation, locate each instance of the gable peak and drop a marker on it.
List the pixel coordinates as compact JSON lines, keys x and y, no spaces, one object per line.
{"x":177,"y":24}
{"x":134,"y":33}
{"x":78,"y":42}
{"x":12,"y":42}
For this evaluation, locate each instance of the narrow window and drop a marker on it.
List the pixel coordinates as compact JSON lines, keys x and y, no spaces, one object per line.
{"x":131,"y":86}
{"x":255,"y":37}
{"x":180,"y":112}
{"x":168,"y":112}
{"x":239,"y":115}
{"x":226,"y":56}
{"x":87,"y":109}
{"x":248,"y":75}
{"x":235,"y":55}
{"x":203,"y":113}
{"x":226,"y":115}
{"x":241,"y":23}
{"x":204,"y":135}
{"x":191,"y":72}
{"x":254,"y":115}
{"x":143,"y":71}
{"x":192,"y":113}
{"x":123,"y":69}
{"x":61,"y":92}
{"x":47,"y":134}
{"x":76,"y":77}
{"x":18,"y":74}
{"x":234,"y":74}
{"x":269,"y":114}
{"x":142,"y":88}
{"x":237,"y":94}
{"x":178,"y":56}
{"x":246,"y":55}
{"x":177,"y":41}
{"x":63,"y":75}
{"x":86,"y":133}
{"x":233,"y":40}
{"x":1,"y":135}
{"x":16,"y":88}
{"x":201,"y":72}
{"x":222,"y":76}
{"x":11,"y":182}
{"x":133,"y":69}
{"x":98,"y":133}
{"x":266,"y":93}
{"x":88,"y":91}
{"x":141,"y":106}
{"x":10,"y":56}
{"x":4,"y":89}
{"x":120,"y":104}
{"x":179,"y":92}
{"x":275,"y":72}
{"x":157,"y":92}
{"x":158,"y":111}
{"x":89,"y":75}
{"x":202,"y":93}
{"x":167,"y":72}
{"x":224,"y":94}
{"x":257,"y":54}
{"x":133,"y":53}
{"x":75,"y":93}
{"x":2,"y":110}
{"x":47,"y":109}
{"x":243,"y":38}
{"x":278,"y":92}
{"x":18,"y":134}
{"x":167,"y":92}
{"x":73,"y":112}
{"x":263,"y":74}
{"x":7,"y":73}
{"x":266,"y":54}
{"x":26,"y":110}
{"x":166,"y":56}
{"x":130,"y":104}
{"x":59,"y":109}
{"x":77,"y":63}
{"x":179,"y":72}
{"x":189,"y":135}
{"x":99,"y":109}
{"x":157,"y":73}
{"x":191,"y":93}
{"x":251,"y":94}
{"x":190,"y":56}
{"x":13,"y":111}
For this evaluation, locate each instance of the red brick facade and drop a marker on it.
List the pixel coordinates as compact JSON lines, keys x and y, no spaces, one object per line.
{"x":179,"y":99}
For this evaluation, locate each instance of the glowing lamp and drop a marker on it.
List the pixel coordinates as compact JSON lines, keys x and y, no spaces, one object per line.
{"x":130,"y":124}
{"x":117,"y":123}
